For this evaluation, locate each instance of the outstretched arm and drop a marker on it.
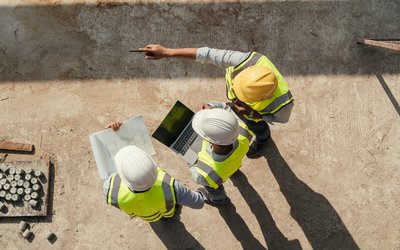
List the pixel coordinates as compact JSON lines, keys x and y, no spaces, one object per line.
{"x":218,"y":57}
{"x":155,"y":52}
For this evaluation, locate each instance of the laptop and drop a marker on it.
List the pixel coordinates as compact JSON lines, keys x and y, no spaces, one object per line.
{"x":176,"y":132}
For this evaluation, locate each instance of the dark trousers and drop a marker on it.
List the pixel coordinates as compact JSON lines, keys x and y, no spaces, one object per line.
{"x":260,"y":129}
{"x":216,"y":194}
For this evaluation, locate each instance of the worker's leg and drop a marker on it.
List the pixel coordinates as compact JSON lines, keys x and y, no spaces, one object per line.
{"x":217,"y":196}
{"x":260,"y":129}
{"x":177,"y":212}
{"x":262,"y":132}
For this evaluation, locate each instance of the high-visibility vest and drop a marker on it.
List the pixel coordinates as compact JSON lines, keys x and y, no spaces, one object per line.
{"x":280,"y":97}
{"x":159,"y":201}
{"x":216,"y":173}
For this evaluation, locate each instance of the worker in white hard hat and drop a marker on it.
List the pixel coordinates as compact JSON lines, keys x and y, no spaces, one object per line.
{"x":141,"y":189}
{"x":259,"y":92}
{"x":226,"y":141}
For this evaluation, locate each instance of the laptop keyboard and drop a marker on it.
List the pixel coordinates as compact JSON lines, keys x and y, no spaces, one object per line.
{"x":185,"y":140}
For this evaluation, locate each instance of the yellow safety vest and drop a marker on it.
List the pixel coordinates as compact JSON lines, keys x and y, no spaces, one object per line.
{"x":280,"y":97}
{"x":216,"y":173}
{"x":159,"y":201}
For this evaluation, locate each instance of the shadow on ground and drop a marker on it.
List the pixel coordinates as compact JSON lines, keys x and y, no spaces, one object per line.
{"x":318,"y":219}
{"x":77,"y":41}
{"x":174,"y":234}
{"x":238,"y":227}
{"x":272,"y":235}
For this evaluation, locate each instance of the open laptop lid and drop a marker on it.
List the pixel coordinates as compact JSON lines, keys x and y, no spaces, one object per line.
{"x":173,"y":124}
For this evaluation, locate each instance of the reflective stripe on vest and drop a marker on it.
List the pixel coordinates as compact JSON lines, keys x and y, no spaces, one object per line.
{"x":280,"y":97}
{"x":216,"y":173}
{"x":209,"y":171}
{"x":159,"y":201}
{"x":277,"y":102}
{"x":246,"y":133}
{"x":113,"y":191}
{"x":167,"y":192}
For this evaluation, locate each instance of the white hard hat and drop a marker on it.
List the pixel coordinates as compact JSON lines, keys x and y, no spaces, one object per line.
{"x":136,"y":168}
{"x":216,"y":125}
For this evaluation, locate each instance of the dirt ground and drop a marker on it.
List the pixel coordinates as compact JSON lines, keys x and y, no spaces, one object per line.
{"x":329,"y":178}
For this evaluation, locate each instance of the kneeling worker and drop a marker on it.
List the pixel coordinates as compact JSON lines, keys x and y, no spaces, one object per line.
{"x":143,"y":190}
{"x":226,"y":142}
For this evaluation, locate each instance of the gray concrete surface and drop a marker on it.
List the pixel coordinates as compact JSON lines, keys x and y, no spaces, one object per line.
{"x":329,"y":178}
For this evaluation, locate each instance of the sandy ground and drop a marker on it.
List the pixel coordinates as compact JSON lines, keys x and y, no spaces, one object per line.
{"x":329,"y":178}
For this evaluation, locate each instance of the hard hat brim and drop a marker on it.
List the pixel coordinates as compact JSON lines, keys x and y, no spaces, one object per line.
{"x":198,"y":119}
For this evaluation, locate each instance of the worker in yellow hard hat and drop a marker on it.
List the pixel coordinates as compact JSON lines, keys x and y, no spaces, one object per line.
{"x":258,"y":91}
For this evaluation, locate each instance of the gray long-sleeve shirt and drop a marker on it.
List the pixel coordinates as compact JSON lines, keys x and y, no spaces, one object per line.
{"x":184,"y":196}
{"x":229,"y":58}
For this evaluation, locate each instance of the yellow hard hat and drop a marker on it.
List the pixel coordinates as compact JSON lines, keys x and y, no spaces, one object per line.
{"x":254,"y":84}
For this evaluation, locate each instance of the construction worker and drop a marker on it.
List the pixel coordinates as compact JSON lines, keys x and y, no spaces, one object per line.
{"x":259,"y":92}
{"x":143,"y":190}
{"x":226,"y":141}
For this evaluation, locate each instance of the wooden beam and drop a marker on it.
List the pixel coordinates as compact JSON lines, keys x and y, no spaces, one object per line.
{"x":15,"y":146}
{"x":383,"y":43}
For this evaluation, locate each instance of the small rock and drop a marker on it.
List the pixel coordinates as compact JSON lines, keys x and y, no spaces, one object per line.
{"x":23,"y":225}
{"x":11,"y":171}
{"x":27,"y":197}
{"x":34,"y":180}
{"x":34,"y":195}
{"x":26,"y":233}
{"x":50,"y":235}
{"x":36,"y":187}
{"x":20,"y":191}
{"x":28,"y":171}
{"x":27,"y":184}
{"x":33,"y":203}
{"x":15,"y":197}
{"x":38,"y":173}
{"x":19,"y":171}
{"x":8,"y":197}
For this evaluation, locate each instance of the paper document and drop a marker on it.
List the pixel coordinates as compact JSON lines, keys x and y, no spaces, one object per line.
{"x":106,"y":143}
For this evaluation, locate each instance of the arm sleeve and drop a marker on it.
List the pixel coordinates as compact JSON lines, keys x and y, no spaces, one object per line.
{"x":188,"y":197}
{"x":282,"y":116}
{"x":219,"y":57}
{"x":196,"y":177}
{"x":106,"y":187}
{"x":221,"y":105}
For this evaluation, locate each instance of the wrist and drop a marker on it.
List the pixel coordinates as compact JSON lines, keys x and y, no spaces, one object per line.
{"x":169,"y":52}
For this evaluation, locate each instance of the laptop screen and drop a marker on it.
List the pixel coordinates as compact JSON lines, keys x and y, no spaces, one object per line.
{"x":173,"y":124}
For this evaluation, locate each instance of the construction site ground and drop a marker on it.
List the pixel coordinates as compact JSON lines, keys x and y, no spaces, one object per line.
{"x":328,"y":179}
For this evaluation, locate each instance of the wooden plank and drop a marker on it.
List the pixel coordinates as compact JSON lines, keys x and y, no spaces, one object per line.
{"x":15,"y":146}
{"x":387,"y":44}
